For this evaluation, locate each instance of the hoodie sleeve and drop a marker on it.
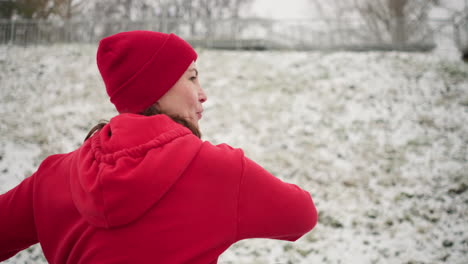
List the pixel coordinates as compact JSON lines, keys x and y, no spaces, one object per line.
{"x":17,"y":226}
{"x":271,"y":208}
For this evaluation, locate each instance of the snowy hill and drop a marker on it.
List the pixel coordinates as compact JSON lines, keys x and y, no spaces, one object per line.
{"x":379,"y":139}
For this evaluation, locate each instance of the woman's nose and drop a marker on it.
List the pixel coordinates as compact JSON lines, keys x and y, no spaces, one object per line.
{"x":202,"y":96}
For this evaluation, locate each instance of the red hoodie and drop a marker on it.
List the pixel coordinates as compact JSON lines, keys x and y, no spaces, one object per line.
{"x":146,"y":190}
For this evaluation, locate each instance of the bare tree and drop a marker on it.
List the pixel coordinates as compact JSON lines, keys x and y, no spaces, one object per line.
{"x":398,"y":22}
{"x":200,"y":15}
{"x":40,"y":9}
{"x":214,"y":12}
{"x":7,"y":8}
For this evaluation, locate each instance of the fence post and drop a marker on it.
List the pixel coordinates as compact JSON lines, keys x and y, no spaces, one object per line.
{"x":67,"y":31}
{"x":12,"y":30}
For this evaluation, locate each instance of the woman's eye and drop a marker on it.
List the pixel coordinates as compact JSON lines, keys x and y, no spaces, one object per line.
{"x":193,"y":78}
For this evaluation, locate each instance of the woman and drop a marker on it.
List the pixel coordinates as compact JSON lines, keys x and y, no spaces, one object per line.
{"x":145,"y":188}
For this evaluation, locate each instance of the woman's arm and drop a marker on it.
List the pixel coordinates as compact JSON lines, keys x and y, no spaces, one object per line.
{"x":17,"y":228}
{"x":271,"y":208}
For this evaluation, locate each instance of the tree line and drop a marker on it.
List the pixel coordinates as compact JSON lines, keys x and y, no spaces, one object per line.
{"x":122,"y":9}
{"x":394,"y":22}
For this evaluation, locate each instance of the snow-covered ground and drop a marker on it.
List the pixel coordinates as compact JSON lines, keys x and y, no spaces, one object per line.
{"x":379,"y":139}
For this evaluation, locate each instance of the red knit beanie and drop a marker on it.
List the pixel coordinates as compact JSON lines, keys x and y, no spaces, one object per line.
{"x":139,"y":67}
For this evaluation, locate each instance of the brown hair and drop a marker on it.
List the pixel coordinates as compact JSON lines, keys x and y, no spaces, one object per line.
{"x":151,"y":111}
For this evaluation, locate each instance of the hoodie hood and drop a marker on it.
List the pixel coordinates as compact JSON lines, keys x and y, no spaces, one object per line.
{"x":126,"y":168}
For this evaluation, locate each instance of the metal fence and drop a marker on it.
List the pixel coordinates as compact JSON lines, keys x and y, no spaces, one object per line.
{"x":229,"y":33}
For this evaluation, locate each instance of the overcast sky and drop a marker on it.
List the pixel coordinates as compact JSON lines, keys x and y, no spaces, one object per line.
{"x":282,"y":9}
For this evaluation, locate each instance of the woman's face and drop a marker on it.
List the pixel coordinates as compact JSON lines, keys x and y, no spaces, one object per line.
{"x":185,"y":98}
